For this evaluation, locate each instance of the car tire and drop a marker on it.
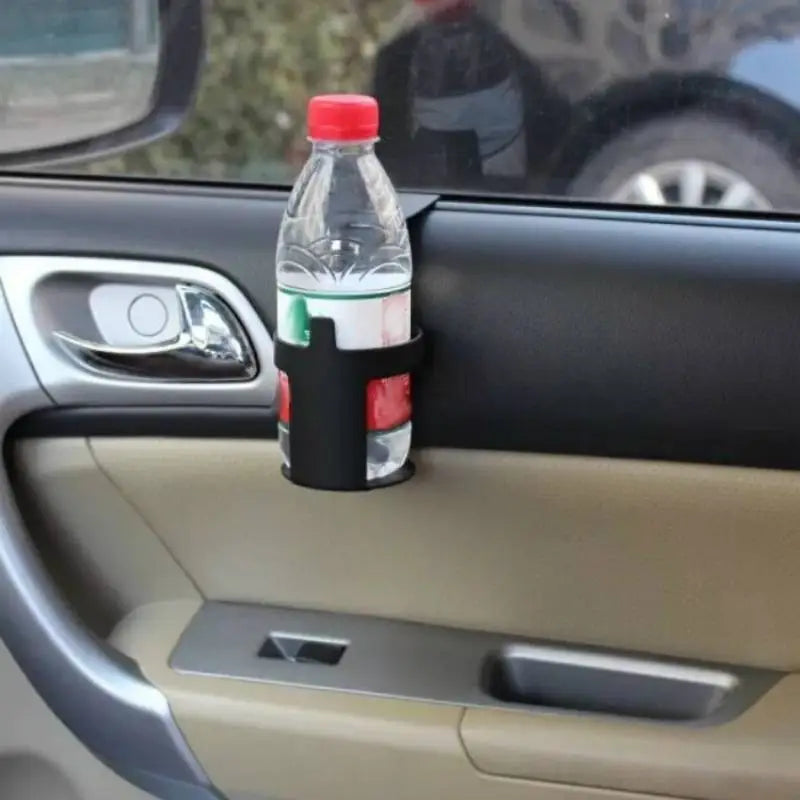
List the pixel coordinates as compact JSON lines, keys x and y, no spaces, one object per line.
{"x":720,"y":146}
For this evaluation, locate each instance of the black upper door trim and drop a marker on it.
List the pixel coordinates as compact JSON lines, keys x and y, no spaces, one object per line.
{"x":597,"y":331}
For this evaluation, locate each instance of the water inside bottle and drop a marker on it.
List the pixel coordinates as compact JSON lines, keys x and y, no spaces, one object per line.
{"x":344,"y":253}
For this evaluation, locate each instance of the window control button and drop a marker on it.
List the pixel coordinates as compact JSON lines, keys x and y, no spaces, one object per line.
{"x":301,"y":650}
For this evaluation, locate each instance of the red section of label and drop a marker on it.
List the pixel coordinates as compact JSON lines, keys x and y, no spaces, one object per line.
{"x":388,"y":402}
{"x":284,"y":398}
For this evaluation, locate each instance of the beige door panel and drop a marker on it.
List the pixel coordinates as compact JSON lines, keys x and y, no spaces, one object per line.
{"x":257,"y":739}
{"x":39,"y":758}
{"x":102,"y":553}
{"x":672,"y":559}
{"x":753,"y":756}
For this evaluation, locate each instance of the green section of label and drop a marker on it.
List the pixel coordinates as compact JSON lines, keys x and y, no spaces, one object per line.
{"x":296,"y":321}
{"x":344,"y":295}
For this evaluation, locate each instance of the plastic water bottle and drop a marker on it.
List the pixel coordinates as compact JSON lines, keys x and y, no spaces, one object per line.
{"x":463,"y":81}
{"x":344,"y":253}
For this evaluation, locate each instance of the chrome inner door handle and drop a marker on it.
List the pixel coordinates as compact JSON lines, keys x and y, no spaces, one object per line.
{"x":212,"y":346}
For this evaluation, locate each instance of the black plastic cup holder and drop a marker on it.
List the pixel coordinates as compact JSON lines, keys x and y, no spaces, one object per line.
{"x":328,"y":443}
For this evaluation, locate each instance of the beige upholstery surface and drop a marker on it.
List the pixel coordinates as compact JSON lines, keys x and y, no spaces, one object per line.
{"x":666,"y":558}
{"x":672,"y":559}
{"x":103,"y":554}
{"x":298,"y":742}
{"x":289,"y":743}
{"x":753,"y":757}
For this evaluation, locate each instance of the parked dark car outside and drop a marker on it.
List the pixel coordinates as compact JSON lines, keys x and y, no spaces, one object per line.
{"x":692,"y":102}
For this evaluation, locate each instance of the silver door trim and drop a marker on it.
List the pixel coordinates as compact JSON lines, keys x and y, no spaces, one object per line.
{"x":414,"y":661}
{"x":99,"y":694}
{"x":25,"y":279}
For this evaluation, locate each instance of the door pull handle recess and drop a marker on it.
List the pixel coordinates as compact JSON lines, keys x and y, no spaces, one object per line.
{"x":211,"y":346}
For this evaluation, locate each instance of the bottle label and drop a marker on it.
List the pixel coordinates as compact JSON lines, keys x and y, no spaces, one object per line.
{"x":362,"y":322}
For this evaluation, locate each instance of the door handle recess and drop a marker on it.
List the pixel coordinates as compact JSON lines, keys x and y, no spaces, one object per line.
{"x":215,"y":349}
{"x":211,"y":345}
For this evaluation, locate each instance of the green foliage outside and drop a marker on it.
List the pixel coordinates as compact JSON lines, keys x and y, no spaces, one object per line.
{"x":264,"y":59}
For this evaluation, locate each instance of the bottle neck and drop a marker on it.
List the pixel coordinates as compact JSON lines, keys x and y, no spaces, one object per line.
{"x":328,"y":147}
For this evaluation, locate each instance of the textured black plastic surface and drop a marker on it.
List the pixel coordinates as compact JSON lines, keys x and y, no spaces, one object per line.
{"x":621,"y":333}
{"x":219,"y":422}
{"x":328,"y":443}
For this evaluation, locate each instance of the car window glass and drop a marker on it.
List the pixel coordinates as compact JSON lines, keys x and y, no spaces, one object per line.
{"x":653,"y":102}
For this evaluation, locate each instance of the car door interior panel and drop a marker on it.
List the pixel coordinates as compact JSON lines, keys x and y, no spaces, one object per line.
{"x":556,"y":256}
{"x":588,"y":590}
{"x":609,"y":546}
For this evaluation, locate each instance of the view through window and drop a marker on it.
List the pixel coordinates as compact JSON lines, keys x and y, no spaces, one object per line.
{"x":654,"y":102}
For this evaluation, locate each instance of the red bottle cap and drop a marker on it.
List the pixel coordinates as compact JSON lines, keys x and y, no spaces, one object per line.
{"x":343,"y":117}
